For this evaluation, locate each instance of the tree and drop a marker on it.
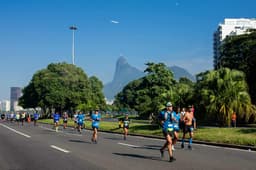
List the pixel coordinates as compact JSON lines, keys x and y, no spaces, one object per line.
{"x":60,"y":86}
{"x":96,"y":96}
{"x":223,"y":92}
{"x":148,"y":94}
{"x":239,"y":52}
{"x":185,"y":91}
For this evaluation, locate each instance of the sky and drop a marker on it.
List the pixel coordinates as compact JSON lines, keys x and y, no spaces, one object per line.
{"x":35,"y":33}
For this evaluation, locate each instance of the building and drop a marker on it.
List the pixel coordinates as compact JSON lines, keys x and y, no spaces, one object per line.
{"x":15,"y":95}
{"x":5,"y":106}
{"x":230,"y":27}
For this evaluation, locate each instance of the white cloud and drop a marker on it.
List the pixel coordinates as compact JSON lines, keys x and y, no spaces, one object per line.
{"x":114,"y":22}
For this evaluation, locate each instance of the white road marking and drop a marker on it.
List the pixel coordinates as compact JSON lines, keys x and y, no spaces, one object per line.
{"x":125,"y":144}
{"x":20,"y":133}
{"x":59,"y":149}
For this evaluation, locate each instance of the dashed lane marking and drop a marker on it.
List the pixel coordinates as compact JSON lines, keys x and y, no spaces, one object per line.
{"x":18,"y":132}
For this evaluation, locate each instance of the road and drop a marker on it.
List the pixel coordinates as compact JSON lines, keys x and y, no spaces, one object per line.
{"x":40,"y":148}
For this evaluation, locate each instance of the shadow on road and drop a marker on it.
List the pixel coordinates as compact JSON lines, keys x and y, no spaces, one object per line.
{"x":79,"y":141}
{"x":138,"y":156}
{"x":113,"y":138}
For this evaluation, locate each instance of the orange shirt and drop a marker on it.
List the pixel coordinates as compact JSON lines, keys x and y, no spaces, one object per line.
{"x":233,"y":117}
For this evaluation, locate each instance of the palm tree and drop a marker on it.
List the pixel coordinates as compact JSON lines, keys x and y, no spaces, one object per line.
{"x":225,"y":91}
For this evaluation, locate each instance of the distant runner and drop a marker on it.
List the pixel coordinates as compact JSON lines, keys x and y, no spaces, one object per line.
{"x":23,"y":117}
{"x":75,"y":120}
{"x":95,"y":117}
{"x":65,"y":120}
{"x":36,"y":117}
{"x":56,"y":119}
{"x":126,"y":123}
{"x":80,"y":121}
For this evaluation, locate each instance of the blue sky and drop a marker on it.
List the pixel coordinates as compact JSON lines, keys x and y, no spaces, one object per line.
{"x":34,"y":33}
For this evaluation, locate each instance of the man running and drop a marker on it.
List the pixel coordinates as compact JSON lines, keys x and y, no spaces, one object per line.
{"x":23,"y":116}
{"x":176,"y":122}
{"x":188,"y":118}
{"x":126,"y":123}
{"x":17,"y":117}
{"x":80,"y":122}
{"x":75,"y":120}
{"x":95,"y":117}
{"x":168,"y":130}
{"x":36,"y":117}
{"x":56,"y":119}
{"x":65,"y":120}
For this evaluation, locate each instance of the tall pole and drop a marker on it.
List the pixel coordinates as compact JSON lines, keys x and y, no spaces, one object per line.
{"x":73,"y":28}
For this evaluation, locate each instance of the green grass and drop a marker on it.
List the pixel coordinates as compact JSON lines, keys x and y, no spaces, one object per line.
{"x":238,"y":136}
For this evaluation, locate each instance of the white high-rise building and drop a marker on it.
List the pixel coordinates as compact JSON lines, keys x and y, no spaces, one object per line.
{"x":230,"y":27}
{"x":5,"y":105}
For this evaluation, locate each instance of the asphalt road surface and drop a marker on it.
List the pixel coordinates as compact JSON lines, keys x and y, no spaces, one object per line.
{"x":41,"y":148}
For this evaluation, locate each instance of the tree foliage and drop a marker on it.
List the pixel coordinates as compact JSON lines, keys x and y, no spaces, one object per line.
{"x":239,"y":52}
{"x":222,"y":92}
{"x":61,"y":87}
{"x":148,"y":94}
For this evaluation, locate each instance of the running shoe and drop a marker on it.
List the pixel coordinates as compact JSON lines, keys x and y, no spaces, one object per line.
{"x":161,"y":153}
{"x":182,"y":145}
{"x":172,"y":159}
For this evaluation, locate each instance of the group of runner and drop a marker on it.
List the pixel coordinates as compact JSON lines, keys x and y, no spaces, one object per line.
{"x":79,"y":120}
{"x":172,"y":122}
{"x":20,"y":117}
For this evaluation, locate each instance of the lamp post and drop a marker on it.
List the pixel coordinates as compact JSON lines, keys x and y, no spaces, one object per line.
{"x":73,"y":28}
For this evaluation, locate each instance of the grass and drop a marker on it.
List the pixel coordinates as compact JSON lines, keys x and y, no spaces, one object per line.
{"x":238,"y":136}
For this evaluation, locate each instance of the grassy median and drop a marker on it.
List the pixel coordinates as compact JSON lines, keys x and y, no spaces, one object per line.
{"x":238,"y":136}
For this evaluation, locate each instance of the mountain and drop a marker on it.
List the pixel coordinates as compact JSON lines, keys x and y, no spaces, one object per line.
{"x":125,"y":73}
{"x":181,"y":72}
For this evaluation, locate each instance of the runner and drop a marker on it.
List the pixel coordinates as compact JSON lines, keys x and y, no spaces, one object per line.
{"x":23,"y":116}
{"x":182,"y":114}
{"x":168,"y":130}
{"x":12,"y":116}
{"x":36,"y":117}
{"x":65,"y":120}
{"x":17,"y":117}
{"x":80,"y":122}
{"x":95,"y":117}
{"x":188,"y":118}
{"x":176,"y":121}
{"x":75,"y":120}
{"x":126,"y":123}
{"x":28,"y":118}
{"x":194,"y":118}
{"x":56,"y":119}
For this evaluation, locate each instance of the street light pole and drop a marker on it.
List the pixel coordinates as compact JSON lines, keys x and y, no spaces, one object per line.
{"x":73,"y":28}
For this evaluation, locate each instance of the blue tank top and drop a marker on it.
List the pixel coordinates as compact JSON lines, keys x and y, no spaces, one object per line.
{"x":36,"y":116}
{"x":80,"y":118}
{"x":95,"y":119}
{"x":56,"y":116}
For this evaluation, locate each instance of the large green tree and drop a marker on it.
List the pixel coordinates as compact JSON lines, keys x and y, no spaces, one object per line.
{"x":61,"y":87}
{"x":185,"y":92}
{"x":148,"y":94}
{"x":223,"y":92}
{"x":239,"y":52}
